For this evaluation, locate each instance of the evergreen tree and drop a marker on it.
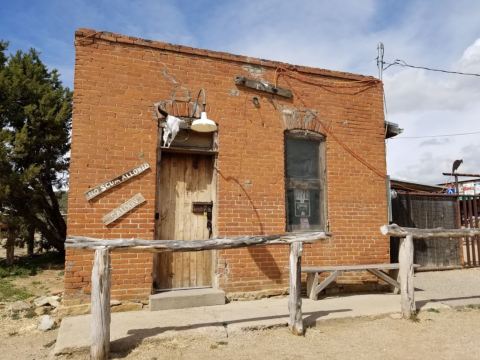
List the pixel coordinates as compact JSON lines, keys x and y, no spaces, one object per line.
{"x":35,"y":120}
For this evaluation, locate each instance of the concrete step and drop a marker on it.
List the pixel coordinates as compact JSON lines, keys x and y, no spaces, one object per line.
{"x":181,"y":299}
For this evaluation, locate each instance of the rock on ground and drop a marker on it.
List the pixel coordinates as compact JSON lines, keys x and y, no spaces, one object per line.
{"x":47,"y":300}
{"x":19,"y":306}
{"x":46,"y":323}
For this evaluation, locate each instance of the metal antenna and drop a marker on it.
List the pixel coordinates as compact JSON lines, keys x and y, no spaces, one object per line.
{"x":380,"y":51}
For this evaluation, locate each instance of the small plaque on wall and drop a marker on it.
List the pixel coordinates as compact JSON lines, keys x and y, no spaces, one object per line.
{"x":127,"y":206}
{"x":99,"y":189}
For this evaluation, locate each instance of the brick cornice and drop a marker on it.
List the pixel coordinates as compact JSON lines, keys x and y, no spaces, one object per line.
{"x":87,"y":34}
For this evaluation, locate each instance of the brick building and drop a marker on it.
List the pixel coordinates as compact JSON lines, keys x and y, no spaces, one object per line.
{"x":306,"y":151}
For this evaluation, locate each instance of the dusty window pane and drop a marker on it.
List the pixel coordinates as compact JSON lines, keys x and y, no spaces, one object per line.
{"x":302,"y":159}
{"x":303,"y":185}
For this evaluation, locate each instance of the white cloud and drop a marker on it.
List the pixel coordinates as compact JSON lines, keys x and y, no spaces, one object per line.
{"x":470,"y":61}
{"x":429,"y":165}
{"x":427,"y":104}
{"x":411,"y":90}
{"x":435,"y":142}
{"x":317,"y":33}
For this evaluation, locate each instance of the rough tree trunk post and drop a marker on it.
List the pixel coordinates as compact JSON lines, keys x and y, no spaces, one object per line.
{"x":30,"y":240}
{"x":10,"y":245}
{"x":295,"y":298}
{"x":405,"y":258}
{"x":100,"y":305}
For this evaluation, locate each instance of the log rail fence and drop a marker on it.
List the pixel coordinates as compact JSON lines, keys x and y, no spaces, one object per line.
{"x":101,"y":272}
{"x":405,"y":256}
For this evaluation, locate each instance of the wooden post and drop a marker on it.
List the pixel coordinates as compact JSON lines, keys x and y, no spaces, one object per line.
{"x":312,"y":283}
{"x":295,"y":298}
{"x":100,"y":305}
{"x":405,"y":258}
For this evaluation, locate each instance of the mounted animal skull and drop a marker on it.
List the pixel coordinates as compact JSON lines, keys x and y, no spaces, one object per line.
{"x":172,"y":126}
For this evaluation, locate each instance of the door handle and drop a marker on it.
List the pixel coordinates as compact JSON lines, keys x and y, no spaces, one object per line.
{"x":209,"y":223}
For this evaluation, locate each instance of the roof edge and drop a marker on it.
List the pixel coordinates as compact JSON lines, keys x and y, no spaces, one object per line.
{"x":411,"y":185}
{"x":84,"y":33}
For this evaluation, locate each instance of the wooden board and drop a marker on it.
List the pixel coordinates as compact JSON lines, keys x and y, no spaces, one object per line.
{"x":316,"y":269}
{"x":184,"y":179}
{"x":124,"y":208}
{"x":263,"y":86}
{"x":109,"y":184}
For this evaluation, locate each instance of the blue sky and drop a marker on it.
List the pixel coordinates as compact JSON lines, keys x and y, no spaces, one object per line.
{"x":338,"y":35}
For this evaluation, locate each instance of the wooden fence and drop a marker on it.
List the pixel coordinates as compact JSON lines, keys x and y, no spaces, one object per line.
{"x":101,"y":273}
{"x":405,"y":256}
{"x":469,"y":210}
{"x":428,"y":211}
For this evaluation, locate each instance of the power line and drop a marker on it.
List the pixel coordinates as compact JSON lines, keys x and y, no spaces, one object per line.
{"x":404,"y":64}
{"x":434,"y":136}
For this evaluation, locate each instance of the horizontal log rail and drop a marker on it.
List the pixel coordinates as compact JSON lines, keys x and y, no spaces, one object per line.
{"x":101,"y":274}
{"x":398,"y":231}
{"x":405,"y":256}
{"x":82,"y":242}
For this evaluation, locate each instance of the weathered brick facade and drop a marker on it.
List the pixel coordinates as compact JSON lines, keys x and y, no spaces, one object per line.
{"x":117,"y":80}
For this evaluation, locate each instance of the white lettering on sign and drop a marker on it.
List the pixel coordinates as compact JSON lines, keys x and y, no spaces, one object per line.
{"x":127,"y":206}
{"x":99,"y":189}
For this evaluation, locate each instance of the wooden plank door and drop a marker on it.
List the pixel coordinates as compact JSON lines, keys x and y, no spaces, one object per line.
{"x":184,"y":179}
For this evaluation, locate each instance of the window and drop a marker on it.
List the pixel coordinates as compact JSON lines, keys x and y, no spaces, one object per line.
{"x":305,"y":181}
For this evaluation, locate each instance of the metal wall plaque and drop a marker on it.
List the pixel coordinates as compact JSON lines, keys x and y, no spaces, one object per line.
{"x":99,"y":189}
{"x":202,"y":207}
{"x":127,"y":206}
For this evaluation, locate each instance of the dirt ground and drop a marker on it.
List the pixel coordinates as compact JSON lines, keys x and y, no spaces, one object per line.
{"x":445,"y":334}
{"x":19,"y":337}
{"x":437,"y":334}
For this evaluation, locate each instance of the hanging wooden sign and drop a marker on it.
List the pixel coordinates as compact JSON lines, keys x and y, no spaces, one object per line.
{"x":127,"y":206}
{"x":99,"y":189}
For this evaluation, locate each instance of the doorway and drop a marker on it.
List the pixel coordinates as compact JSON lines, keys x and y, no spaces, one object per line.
{"x":186,"y":180}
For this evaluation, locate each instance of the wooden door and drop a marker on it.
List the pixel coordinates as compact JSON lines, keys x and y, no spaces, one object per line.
{"x":184,"y":179}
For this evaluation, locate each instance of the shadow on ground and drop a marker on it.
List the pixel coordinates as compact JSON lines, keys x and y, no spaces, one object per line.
{"x":122,"y":347}
{"x":421,"y":303}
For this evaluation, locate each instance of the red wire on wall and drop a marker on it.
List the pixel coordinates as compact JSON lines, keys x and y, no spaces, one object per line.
{"x":363,"y":85}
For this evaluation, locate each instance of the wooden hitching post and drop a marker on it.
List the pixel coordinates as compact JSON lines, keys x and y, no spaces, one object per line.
{"x":100,"y":303}
{"x":405,"y":258}
{"x":295,"y":298}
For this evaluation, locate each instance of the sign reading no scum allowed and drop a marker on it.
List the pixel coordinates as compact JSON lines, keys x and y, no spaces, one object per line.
{"x":99,"y":189}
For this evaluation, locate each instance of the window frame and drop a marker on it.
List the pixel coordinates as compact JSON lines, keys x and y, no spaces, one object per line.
{"x":308,"y":135}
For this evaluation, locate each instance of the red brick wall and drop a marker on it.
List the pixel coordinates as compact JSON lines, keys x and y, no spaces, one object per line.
{"x":116,"y":83}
